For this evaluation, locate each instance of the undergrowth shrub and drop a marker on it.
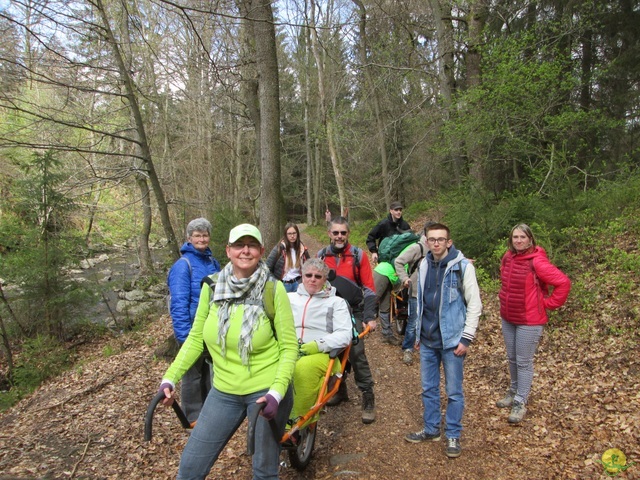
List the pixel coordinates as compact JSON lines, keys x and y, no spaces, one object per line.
{"x":41,"y":357}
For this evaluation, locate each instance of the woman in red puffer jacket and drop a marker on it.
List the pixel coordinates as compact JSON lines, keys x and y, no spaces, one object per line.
{"x":526,"y":273}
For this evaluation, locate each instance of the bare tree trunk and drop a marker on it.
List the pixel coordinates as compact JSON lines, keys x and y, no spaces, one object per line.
{"x":92,"y":210}
{"x":381,"y":136}
{"x":143,"y":144}
{"x":312,"y":194}
{"x":446,"y":71}
{"x":3,"y":331}
{"x":476,"y":21}
{"x":317,"y":178}
{"x":146,"y":264}
{"x":327,"y":118}
{"x":261,"y":24}
{"x":249,"y":88}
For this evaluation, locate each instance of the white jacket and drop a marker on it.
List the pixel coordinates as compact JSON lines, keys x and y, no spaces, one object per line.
{"x":322,"y":317}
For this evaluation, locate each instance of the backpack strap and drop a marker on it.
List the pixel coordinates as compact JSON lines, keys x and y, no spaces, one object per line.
{"x":188,"y":263}
{"x":356,"y":253}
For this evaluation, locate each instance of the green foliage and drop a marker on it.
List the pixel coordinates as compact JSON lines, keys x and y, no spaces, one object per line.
{"x":519,"y":129}
{"x":42,"y":357}
{"x":37,"y":227}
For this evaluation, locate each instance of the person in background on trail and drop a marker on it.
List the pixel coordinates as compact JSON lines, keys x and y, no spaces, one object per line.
{"x":384,"y":275}
{"x":449,"y":309}
{"x":287,"y":257}
{"x":184,"y":280}
{"x":406,"y":266}
{"x":327,"y":216}
{"x":525,"y":273}
{"x":253,"y":359}
{"x":353,"y":272}
{"x":391,"y":225}
{"x":323,"y":323}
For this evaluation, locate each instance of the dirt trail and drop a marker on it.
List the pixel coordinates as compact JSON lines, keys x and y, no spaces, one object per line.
{"x":88,"y":423}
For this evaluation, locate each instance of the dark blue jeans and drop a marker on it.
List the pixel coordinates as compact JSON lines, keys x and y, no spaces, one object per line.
{"x":430,"y":360}
{"x":412,"y":325}
{"x":291,"y":287}
{"x":219,"y":419}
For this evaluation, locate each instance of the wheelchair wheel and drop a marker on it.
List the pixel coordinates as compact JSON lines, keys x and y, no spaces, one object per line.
{"x":301,"y":456}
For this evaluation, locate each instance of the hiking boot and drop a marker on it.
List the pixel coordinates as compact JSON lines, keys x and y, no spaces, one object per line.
{"x":517,"y":412}
{"x":507,"y":400}
{"x":422,"y":436}
{"x":453,"y":448}
{"x":391,"y":340}
{"x":368,"y":408}
{"x":341,"y":395}
{"x":407,"y":357}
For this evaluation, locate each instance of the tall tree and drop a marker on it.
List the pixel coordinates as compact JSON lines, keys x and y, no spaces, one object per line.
{"x":260,"y":17}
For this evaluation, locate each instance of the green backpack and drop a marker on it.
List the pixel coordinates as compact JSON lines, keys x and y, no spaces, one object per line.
{"x":391,"y":247}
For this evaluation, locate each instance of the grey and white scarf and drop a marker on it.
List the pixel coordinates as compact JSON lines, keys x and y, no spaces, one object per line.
{"x":245,"y":291}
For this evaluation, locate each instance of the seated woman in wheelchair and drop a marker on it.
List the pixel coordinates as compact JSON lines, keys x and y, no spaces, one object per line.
{"x":323,"y":323}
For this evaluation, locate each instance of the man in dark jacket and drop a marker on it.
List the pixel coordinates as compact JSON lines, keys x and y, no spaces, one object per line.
{"x":391,"y":225}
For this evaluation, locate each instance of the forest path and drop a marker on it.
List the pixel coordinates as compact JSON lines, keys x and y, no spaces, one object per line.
{"x":88,"y":422}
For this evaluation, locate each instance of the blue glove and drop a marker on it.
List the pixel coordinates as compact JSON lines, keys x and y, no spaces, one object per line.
{"x":309,"y":348}
{"x":271,"y":408}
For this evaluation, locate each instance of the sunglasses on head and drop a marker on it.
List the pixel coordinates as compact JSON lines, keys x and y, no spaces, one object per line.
{"x":340,"y":232}
{"x":317,"y":276}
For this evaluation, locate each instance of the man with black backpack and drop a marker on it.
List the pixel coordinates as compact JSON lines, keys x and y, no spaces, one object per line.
{"x":354,"y":283}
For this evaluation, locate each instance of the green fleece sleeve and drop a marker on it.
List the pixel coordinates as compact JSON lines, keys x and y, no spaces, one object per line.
{"x":287,"y":340}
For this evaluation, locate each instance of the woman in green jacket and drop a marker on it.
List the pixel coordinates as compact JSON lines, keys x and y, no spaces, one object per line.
{"x":253,"y":359}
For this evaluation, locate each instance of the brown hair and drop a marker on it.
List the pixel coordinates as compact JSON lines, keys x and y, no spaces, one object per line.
{"x":438,"y":226}
{"x":297,"y":245}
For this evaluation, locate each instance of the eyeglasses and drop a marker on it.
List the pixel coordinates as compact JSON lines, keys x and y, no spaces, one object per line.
{"x":240,"y":246}
{"x":292,"y":233}
{"x":200,"y":235}
{"x":437,"y":240}
{"x":339,"y":232}
{"x":317,"y":276}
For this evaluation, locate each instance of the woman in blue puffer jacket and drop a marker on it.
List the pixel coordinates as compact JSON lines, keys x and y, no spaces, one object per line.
{"x":184,"y":282}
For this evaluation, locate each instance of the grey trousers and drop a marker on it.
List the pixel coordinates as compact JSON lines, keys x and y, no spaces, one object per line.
{"x":358,"y":360}
{"x":194,"y":387}
{"x":521,"y":342}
